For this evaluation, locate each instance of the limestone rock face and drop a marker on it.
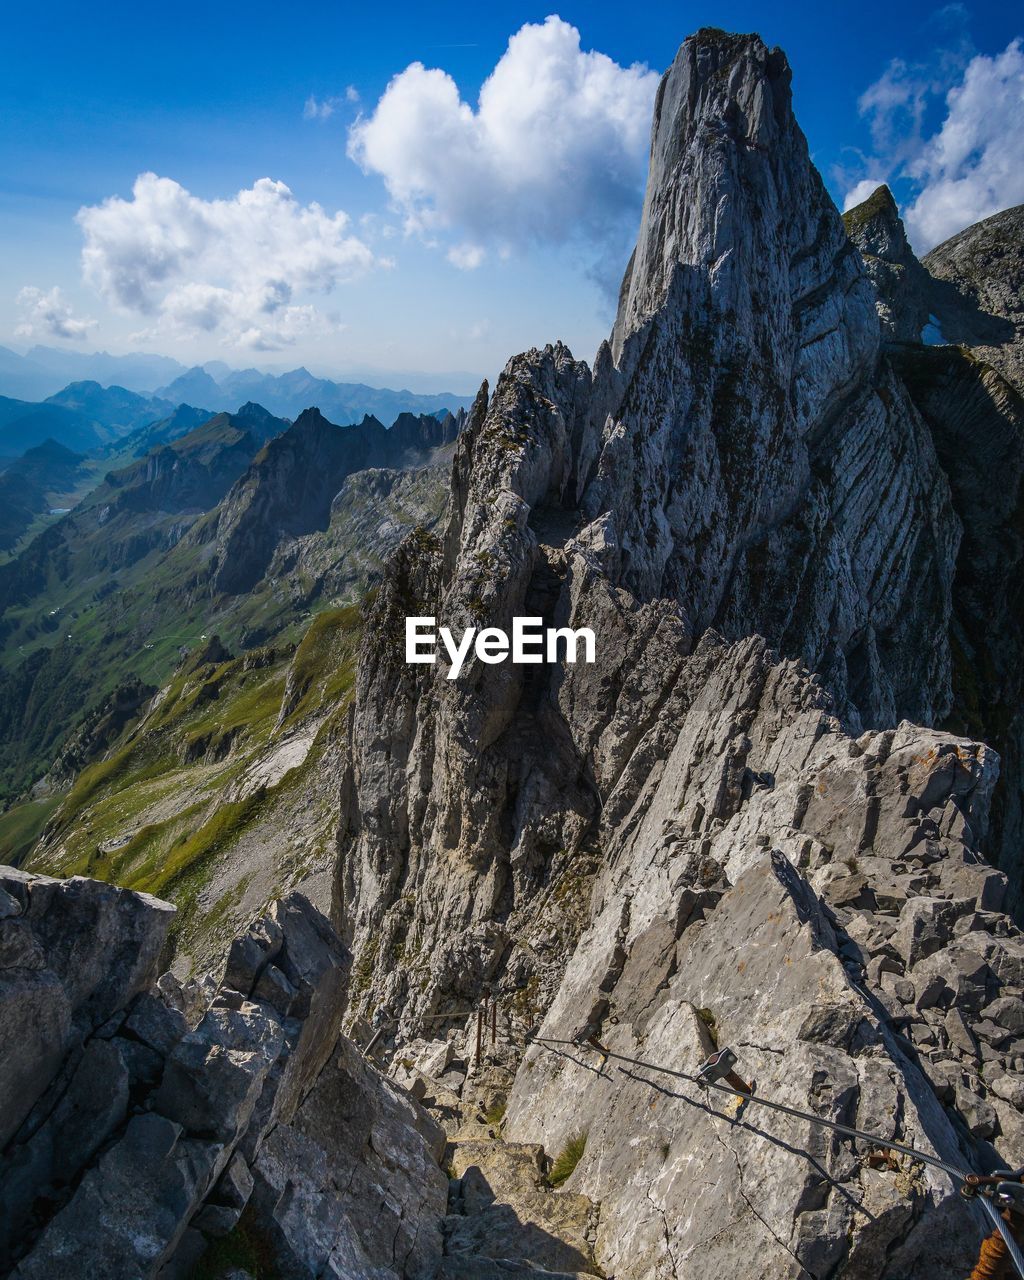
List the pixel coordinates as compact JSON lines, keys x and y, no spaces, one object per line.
{"x":351,"y":1187}
{"x":903,"y":287}
{"x":966,"y":380}
{"x":733,"y":823}
{"x":742,"y":457}
{"x":757,"y":434}
{"x":774,"y":967}
{"x":984,"y":308}
{"x":150,"y":1129}
{"x":72,"y":953}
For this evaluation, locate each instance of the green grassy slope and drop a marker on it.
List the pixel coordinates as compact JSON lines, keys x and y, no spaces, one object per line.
{"x":204,"y":800}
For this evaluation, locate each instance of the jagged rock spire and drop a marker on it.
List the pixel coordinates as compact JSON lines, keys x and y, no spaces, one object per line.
{"x":903,"y":286}
{"x":732,"y":193}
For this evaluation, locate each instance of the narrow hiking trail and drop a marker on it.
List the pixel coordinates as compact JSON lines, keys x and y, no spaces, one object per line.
{"x":505,"y":1220}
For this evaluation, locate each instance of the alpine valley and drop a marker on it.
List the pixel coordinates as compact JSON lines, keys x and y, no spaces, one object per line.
{"x":317,"y":963}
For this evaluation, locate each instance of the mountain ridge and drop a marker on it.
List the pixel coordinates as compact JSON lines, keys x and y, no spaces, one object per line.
{"x":746,"y":502}
{"x":786,"y":499}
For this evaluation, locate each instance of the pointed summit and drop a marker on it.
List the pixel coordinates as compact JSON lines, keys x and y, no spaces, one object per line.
{"x":903,"y":286}
{"x":732,"y":197}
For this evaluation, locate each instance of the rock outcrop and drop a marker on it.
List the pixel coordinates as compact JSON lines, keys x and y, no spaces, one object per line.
{"x":983,"y":269}
{"x":904,"y":290}
{"x":743,"y":457}
{"x":956,"y":340}
{"x":141,"y":1119}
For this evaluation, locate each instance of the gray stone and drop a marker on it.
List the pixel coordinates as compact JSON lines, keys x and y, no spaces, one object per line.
{"x":930,"y":989}
{"x":249,"y":953}
{"x":1010,"y":1088}
{"x":926,"y":926}
{"x":352,"y":1182}
{"x":959,"y":1033}
{"x":945,"y":1077}
{"x":1007,"y":1011}
{"x":900,"y":988}
{"x":130,"y":1209}
{"x":216,"y":1220}
{"x":79,"y":1121}
{"x":991,"y":1032}
{"x":978,"y":1115}
{"x":235,"y":1185}
{"x":275,"y":989}
{"x":144,"y":1064}
{"x":155,"y":1024}
{"x":187,"y":1256}
{"x":214,"y":1077}
{"x":84,"y":949}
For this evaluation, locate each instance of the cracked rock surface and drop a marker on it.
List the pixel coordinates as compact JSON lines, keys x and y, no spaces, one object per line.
{"x":160,"y":1115}
{"x":762,"y":815}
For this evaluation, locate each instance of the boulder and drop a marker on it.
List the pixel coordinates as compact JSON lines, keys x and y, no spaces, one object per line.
{"x":926,"y":926}
{"x":1008,"y":1012}
{"x":350,"y":1187}
{"x":73,"y":953}
{"x":131,"y":1208}
{"x":215,"y":1075}
{"x":961,"y":1038}
{"x":977,"y":1114}
{"x":155,"y":1023}
{"x":81,"y":1114}
{"x":94,"y":1188}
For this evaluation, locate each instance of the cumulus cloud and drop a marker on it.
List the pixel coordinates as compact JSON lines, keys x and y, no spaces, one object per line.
{"x":48,"y":314}
{"x":235,"y":268}
{"x":974,"y":165}
{"x":971,"y":165}
{"x":555,"y":149}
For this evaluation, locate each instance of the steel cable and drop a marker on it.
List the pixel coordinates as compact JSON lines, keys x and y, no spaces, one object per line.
{"x":1012,"y":1248}
{"x":846,"y":1129}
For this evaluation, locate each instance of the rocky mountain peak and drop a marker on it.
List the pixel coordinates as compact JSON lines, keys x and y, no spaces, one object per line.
{"x":741,"y":824}
{"x":876,"y":226}
{"x":904,"y":288}
{"x":727,"y":158}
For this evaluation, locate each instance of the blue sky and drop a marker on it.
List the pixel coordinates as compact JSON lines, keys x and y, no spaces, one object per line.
{"x":449,"y":262}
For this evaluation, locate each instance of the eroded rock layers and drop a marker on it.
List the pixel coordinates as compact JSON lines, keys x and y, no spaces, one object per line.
{"x":728,"y":826}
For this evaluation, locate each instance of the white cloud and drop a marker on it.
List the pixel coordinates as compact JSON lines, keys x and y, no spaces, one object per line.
{"x":316,"y":108}
{"x":48,"y":314}
{"x":974,"y":165}
{"x":319,"y":108}
{"x":555,"y":149}
{"x":234,"y":268}
{"x":467,"y":257}
{"x":971,"y":165}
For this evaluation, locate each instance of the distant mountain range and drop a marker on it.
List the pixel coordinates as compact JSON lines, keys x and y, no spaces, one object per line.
{"x":42,"y":372}
{"x":83,"y":416}
{"x":287,"y":394}
{"x":95,"y":414}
